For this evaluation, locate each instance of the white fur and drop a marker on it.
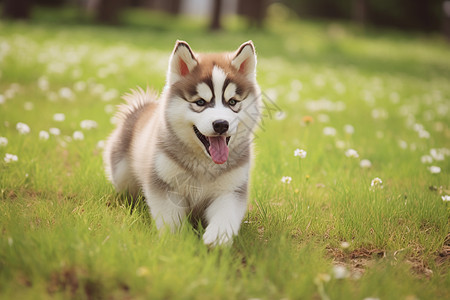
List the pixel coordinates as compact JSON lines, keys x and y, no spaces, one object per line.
{"x":204,"y":91}
{"x":230,"y":91}
{"x":218,"y":79}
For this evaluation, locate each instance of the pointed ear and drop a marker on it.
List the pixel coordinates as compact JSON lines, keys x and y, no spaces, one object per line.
{"x":181,"y":63}
{"x":245,"y":59}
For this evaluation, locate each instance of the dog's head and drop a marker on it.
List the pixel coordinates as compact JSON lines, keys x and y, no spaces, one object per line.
{"x":213,"y":100}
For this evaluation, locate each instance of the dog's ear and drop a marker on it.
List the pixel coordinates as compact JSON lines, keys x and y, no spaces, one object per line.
{"x":181,"y":63}
{"x":245,"y":59}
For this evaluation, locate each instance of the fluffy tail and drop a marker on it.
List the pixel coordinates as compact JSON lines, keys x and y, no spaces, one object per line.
{"x":135,"y":100}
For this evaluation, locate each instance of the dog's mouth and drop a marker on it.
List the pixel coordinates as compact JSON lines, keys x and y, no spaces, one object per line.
{"x":216,"y":146}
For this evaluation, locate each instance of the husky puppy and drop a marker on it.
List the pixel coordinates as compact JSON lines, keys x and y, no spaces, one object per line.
{"x":189,"y":150}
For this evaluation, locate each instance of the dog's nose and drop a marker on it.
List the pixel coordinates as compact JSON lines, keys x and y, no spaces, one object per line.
{"x":220,"y":126}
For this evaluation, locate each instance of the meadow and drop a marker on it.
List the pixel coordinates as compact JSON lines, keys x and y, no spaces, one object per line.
{"x":361,"y":213}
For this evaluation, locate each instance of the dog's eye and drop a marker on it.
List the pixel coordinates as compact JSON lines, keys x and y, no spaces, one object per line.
{"x":200,"y":102}
{"x":232,"y":102}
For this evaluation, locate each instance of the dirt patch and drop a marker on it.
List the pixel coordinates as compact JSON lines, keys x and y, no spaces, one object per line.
{"x":77,"y":283}
{"x":359,"y":260}
{"x":64,"y":280}
{"x":444,"y":255}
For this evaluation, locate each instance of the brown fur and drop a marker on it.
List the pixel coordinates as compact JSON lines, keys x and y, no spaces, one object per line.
{"x":203,"y":72}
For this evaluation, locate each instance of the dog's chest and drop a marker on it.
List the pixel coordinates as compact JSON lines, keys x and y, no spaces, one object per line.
{"x":194,"y":186}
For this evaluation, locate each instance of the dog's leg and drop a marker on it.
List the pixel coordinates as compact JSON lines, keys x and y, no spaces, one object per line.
{"x":224,"y":217}
{"x":168,"y":211}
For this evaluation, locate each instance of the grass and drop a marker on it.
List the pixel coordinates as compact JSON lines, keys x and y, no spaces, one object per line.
{"x":66,"y":234}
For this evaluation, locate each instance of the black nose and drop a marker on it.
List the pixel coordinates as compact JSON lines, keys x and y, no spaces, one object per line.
{"x":220,"y":126}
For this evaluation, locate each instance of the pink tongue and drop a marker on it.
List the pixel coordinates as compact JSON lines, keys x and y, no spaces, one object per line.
{"x":218,"y":149}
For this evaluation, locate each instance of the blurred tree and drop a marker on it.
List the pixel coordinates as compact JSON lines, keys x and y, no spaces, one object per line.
{"x":108,"y":11}
{"x":174,"y":6}
{"x":51,"y":2}
{"x":254,"y":10}
{"x":360,"y":11}
{"x":216,"y":14}
{"x":446,"y":23}
{"x":17,"y":9}
{"x":170,"y":6}
{"x":404,"y":14}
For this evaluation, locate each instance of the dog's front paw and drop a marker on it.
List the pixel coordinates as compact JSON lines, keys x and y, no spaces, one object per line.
{"x":218,"y":236}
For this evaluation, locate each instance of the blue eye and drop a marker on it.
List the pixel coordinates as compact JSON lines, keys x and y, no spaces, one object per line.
{"x":232,"y":102}
{"x":200,"y":102}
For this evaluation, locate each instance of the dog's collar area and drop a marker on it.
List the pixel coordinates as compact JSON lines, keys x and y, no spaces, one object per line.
{"x":205,"y":140}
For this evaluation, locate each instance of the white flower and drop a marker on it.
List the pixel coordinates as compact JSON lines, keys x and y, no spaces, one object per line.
{"x":340,"y":272}
{"x":345,"y":245}
{"x":78,"y":136}
{"x":43,"y":83}
{"x":351,"y":153}
{"x":376,"y":183}
{"x":110,"y":95}
{"x":114,"y":120}
{"x":2,"y":99}
{"x":44,"y":135}
{"x":394,"y":97}
{"x":339,"y":88}
{"x":418,"y":127}
{"x":323,"y":118}
{"x":300,"y":152}
{"x":79,"y":86}
{"x":22,"y":128}
{"x":109,"y":109}
{"x":340,"y":144}
{"x":349,"y":129}
{"x":402,"y":144}
{"x":97,"y":89}
{"x":10,"y":158}
{"x":434,"y":169}
{"x":293,"y":96}
{"x":319,"y":80}
{"x":101,"y":144}
{"x":66,"y":93}
{"x":423,"y":134}
{"x":446,"y":198}
{"x":329,"y":131}
{"x":28,"y":105}
{"x":365,"y":163}
{"x":426,"y":159}
{"x":286,"y":179}
{"x":3,"y":141}
{"x":379,"y":113}
{"x":280,"y":115}
{"x":437,"y":154}
{"x":88,"y":124}
{"x":59,"y":117}
{"x":77,"y":73}
{"x":54,"y":131}
{"x":296,"y":85}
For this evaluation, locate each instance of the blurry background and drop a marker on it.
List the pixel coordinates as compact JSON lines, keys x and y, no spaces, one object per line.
{"x":430,"y":15}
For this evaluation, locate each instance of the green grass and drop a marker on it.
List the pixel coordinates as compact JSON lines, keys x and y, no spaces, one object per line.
{"x":64,"y":233}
